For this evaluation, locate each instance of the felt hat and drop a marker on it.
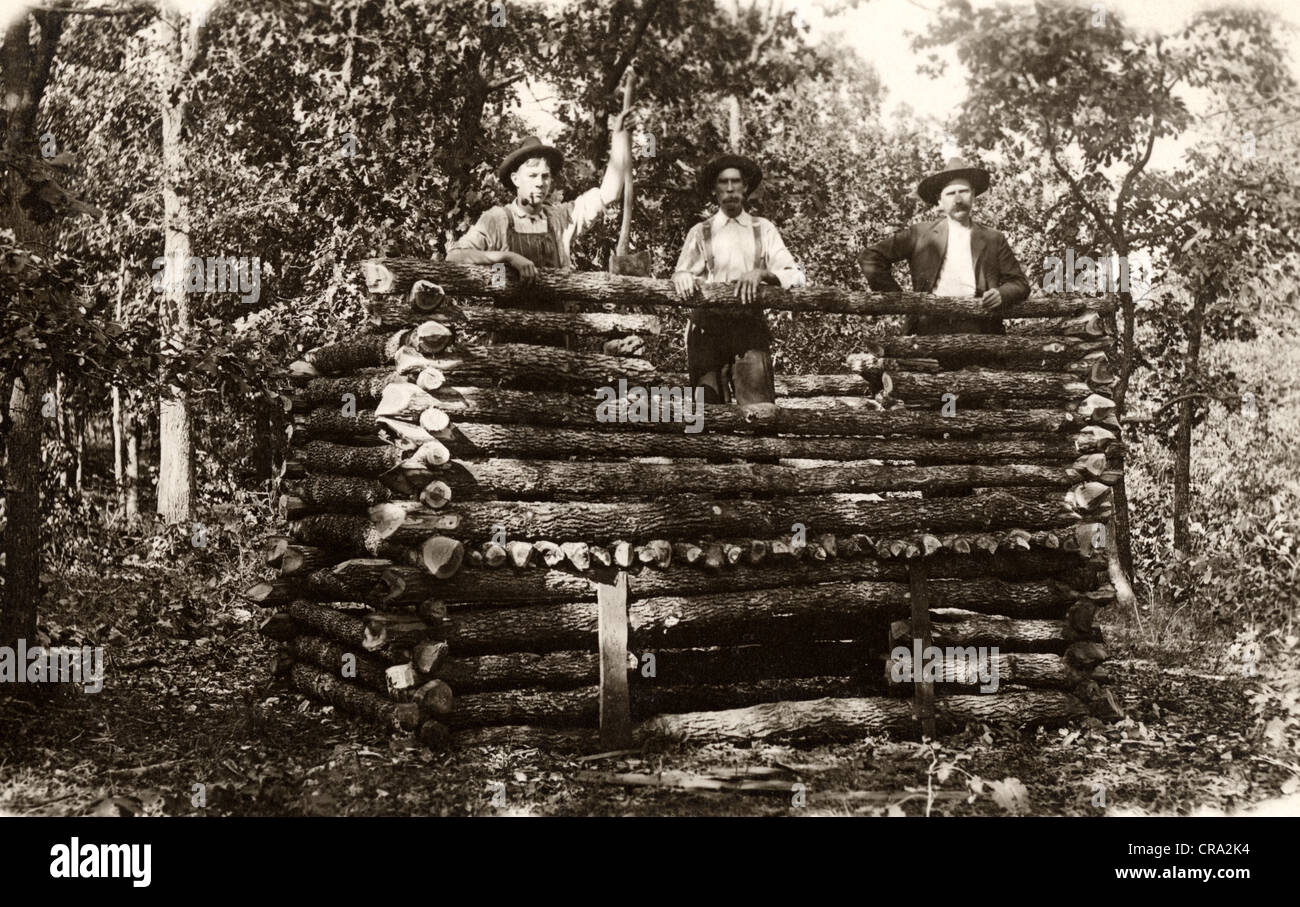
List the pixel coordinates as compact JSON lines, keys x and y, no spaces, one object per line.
{"x":529,"y":148}
{"x":752,"y":173}
{"x":957,"y":168}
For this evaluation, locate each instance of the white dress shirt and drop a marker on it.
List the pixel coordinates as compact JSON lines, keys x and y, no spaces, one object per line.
{"x":957,"y":275}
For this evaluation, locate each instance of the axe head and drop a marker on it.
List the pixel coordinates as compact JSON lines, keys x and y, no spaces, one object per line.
{"x":635,"y":264}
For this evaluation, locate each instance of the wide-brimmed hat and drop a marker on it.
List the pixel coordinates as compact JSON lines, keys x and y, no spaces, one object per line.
{"x":957,"y":168}
{"x":752,"y":173}
{"x":529,"y":148}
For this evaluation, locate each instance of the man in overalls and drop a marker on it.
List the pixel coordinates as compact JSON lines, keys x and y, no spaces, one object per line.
{"x":729,"y":353}
{"x":530,"y":232}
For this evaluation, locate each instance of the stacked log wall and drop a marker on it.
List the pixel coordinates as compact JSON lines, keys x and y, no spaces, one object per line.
{"x":452,"y":507}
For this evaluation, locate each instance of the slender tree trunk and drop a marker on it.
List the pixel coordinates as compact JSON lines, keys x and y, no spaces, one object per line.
{"x":1183,"y":438}
{"x":175,"y":442}
{"x":733,"y":124}
{"x":25,"y":75}
{"x":119,"y":438}
{"x":61,"y":426}
{"x":79,"y":448}
{"x":131,"y":483}
{"x":1123,"y":537}
{"x":23,"y":501}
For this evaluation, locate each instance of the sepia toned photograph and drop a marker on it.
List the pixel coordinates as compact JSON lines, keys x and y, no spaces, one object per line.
{"x":650,"y":408}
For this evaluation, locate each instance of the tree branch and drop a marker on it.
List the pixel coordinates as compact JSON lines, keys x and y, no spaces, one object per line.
{"x":625,"y":58}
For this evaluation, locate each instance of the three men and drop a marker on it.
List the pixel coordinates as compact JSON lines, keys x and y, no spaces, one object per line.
{"x":951,"y":256}
{"x":530,"y":232}
{"x":729,"y":353}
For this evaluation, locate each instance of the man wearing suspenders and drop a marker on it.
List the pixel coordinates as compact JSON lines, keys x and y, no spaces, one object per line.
{"x":530,"y":232}
{"x":729,"y":353}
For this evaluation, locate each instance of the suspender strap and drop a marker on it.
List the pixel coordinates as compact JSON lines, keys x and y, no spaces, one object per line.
{"x":706,"y":237}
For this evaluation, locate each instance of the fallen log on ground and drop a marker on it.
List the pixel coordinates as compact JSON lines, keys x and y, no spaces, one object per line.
{"x":850,"y":719}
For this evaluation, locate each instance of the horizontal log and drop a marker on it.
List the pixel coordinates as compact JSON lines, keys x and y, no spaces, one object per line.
{"x":530,"y":363}
{"x":470,"y":440}
{"x":981,"y":384}
{"x":1090,"y":324}
{"x":342,"y":459}
{"x":376,"y":460}
{"x":353,"y":699}
{"x":516,"y":479}
{"x":959,"y":627}
{"x":360,"y":388}
{"x":396,"y":275}
{"x":657,"y":411}
{"x":1032,"y":352}
{"x":369,"y":350}
{"x":273,"y":593}
{"x":301,"y":559}
{"x":690,"y":517}
{"x":355,"y":579}
{"x":992,"y":672}
{"x":334,"y":493}
{"x":850,"y":719}
{"x":392,"y":312}
{"x":349,"y":630}
{"x":338,"y":532}
{"x":331,"y":657}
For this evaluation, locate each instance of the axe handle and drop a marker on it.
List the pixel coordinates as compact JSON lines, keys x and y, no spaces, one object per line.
{"x":625,"y":231}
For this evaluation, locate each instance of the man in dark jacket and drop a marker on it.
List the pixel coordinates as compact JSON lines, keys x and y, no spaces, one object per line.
{"x":951,"y":256}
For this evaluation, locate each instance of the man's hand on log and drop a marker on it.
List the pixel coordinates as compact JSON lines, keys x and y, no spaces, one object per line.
{"x":632,"y":345}
{"x":527,"y":270}
{"x":991,"y":300}
{"x":747,"y":286}
{"x":684,"y":284}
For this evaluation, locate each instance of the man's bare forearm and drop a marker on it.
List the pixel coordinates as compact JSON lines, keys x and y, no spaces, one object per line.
{"x":620,"y":159}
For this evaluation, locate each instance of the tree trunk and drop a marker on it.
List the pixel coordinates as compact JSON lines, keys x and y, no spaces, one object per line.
{"x":131,"y":485}
{"x":25,"y":75}
{"x":180,"y":37}
{"x":119,"y":435}
{"x":1183,"y":437}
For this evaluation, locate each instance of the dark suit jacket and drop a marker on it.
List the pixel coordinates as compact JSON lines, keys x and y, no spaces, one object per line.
{"x":923,"y":247}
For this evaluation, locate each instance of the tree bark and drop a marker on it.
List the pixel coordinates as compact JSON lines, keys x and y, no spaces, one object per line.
{"x":690,"y":517}
{"x":390,"y":312}
{"x":355,"y":700}
{"x":676,"y":416}
{"x":395,"y":275}
{"x":470,"y":440}
{"x":850,"y":719}
{"x":179,"y":38}
{"x":1183,"y":437}
{"x":25,"y":76}
{"x":132,"y":486}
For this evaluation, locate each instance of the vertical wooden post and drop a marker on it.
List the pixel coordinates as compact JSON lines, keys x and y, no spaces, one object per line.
{"x":918,"y":578}
{"x":615,"y":706}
